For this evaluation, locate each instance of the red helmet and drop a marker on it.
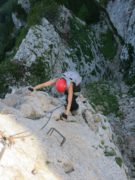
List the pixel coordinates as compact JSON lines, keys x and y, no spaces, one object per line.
{"x":61,"y":85}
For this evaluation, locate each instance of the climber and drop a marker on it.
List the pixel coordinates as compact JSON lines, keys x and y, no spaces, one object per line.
{"x":69,"y":84}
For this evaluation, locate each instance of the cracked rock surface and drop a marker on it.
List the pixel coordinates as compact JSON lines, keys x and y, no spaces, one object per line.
{"x":88,"y":152}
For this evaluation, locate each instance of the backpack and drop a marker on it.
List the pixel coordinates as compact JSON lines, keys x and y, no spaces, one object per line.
{"x":72,"y":76}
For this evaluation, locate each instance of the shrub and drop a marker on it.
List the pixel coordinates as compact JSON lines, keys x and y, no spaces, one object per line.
{"x":79,"y":41}
{"x":7,"y":7}
{"x":109,"y":46}
{"x":109,"y":152}
{"x":94,"y":11}
{"x":21,"y":13}
{"x":21,"y":35}
{"x":11,"y":73}
{"x":42,"y":8}
{"x":119,"y":161}
{"x":39,"y":72}
{"x":101,"y":95}
{"x":9,"y":38}
{"x":16,"y":73}
{"x":63,"y":2}
{"x":88,"y":10}
{"x":83,"y":12}
{"x":6,"y":27}
{"x":104,"y":2}
{"x":2,"y":2}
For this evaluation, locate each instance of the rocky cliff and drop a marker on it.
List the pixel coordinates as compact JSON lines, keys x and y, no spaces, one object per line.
{"x":122,"y":15}
{"x":69,"y":44}
{"x":102,"y":50}
{"x":36,"y":144}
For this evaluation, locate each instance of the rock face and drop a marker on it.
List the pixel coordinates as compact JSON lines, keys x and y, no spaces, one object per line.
{"x":25,"y":4}
{"x":49,"y":43}
{"x":17,"y":22}
{"x":87,"y":153}
{"x":43,"y":41}
{"x":127,"y":105}
{"x":68,"y":45}
{"x":122,"y":15}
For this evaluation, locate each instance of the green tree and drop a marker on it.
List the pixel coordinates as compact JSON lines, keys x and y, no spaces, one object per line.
{"x":83,"y":12}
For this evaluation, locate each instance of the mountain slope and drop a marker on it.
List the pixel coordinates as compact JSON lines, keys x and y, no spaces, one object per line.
{"x":87,"y":153}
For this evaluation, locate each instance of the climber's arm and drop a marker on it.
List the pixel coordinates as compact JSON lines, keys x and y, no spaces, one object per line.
{"x":70,"y":98}
{"x":48,"y":83}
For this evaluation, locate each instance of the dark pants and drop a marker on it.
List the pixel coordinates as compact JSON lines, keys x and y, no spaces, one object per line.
{"x":74,"y":105}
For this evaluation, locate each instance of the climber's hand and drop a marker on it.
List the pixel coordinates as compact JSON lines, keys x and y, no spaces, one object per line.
{"x":31,"y":89}
{"x":63,"y":116}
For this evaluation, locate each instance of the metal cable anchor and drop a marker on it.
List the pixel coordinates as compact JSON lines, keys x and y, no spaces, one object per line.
{"x":52,"y":130}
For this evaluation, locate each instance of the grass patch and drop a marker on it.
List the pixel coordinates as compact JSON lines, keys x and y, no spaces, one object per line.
{"x":103,"y":2}
{"x":21,"y":35}
{"x":119,"y":161}
{"x":40,"y":9}
{"x":110,"y":152}
{"x":16,"y":74}
{"x":101,"y":95}
{"x":39,"y":72}
{"x":130,"y":79}
{"x":6,"y":27}
{"x":83,"y":12}
{"x":88,"y":10}
{"x":79,"y":41}
{"x":104,"y":127}
{"x":102,"y":142}
{"x":11,"y":73}
{"x":109,"y":45}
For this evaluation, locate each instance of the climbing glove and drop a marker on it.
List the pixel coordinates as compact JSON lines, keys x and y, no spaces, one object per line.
{"x":31,"y":89}
{"x":63,"y":116}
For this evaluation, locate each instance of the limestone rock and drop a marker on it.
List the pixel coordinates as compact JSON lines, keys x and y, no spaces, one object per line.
{"x":37,"y":154}
{"x":122,"y":15}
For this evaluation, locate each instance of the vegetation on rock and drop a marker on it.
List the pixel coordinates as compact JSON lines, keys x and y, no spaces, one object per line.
{"x":109,"y":45}
{"x":6,"y":38}
{"x":100,"y":94}
{"x":87,"y":10}
{"x":11,"y":73}
{"x":42,"y":8}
